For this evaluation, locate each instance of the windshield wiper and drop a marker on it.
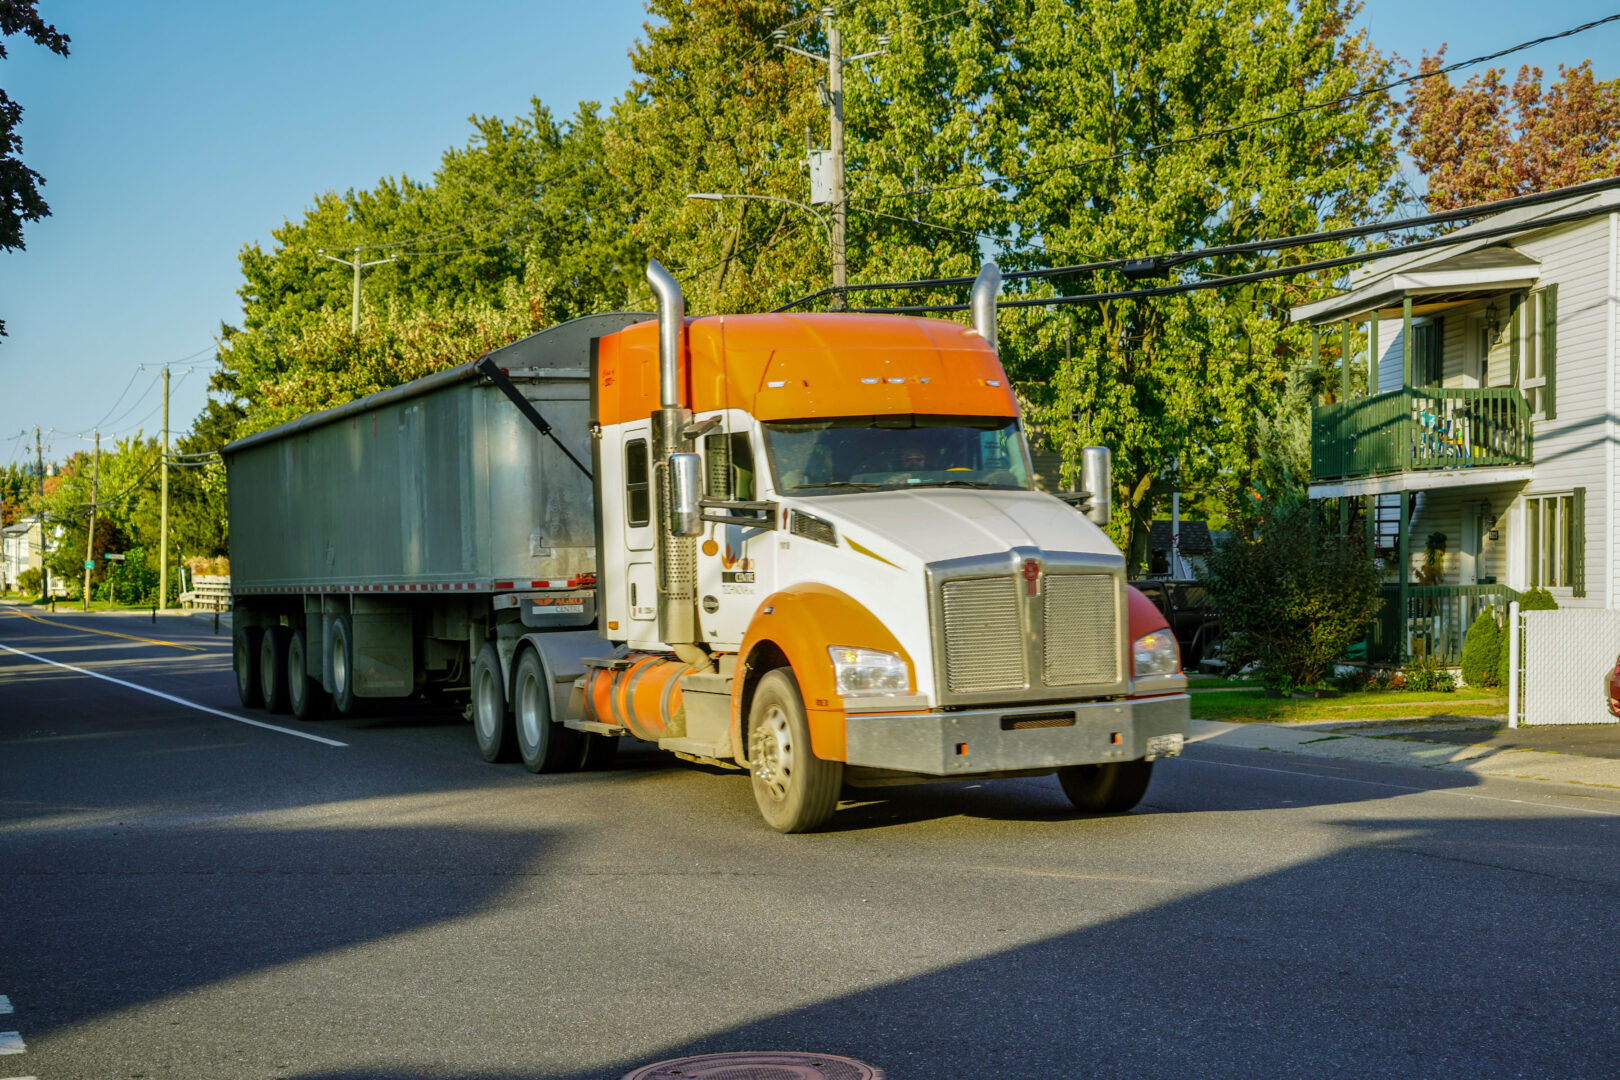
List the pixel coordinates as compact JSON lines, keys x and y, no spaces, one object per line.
{"x":956,"y":483}
{"x":841,"y":484}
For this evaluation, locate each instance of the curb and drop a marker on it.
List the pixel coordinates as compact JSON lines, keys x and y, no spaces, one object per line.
{"x":1515,"y":764}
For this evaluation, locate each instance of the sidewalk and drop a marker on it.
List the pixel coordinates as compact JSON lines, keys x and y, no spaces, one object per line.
{"x":1587,"y":754}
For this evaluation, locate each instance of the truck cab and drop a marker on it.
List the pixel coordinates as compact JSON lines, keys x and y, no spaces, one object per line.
{"x":861,"y":540}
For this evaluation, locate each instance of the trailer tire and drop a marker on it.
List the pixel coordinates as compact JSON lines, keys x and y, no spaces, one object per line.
{"x":491,"y":714}
{"x":341,"y":654}
{"x":307,"y":696}
{"x":544,"y":744}
{"x":273,"y":668}
{"x":795,"y":790}
{"x":1112,"y":788}
{"x":245,"y":661}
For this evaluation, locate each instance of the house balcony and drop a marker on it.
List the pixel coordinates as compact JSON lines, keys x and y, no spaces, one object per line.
{"x":1419,"y":438}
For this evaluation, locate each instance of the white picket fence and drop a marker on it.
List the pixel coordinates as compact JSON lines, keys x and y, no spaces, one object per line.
{"x":208,"y":591}
{"x":1560,"y":663}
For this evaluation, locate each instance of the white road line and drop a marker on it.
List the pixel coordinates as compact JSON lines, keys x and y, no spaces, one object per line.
{"x":175,"y":700}
{"x":11,"y":1043}
{"x":1406,"y":787}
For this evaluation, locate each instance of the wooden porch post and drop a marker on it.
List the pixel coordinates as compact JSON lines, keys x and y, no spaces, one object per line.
{"x":1344,"y":411}
{"x":1406,"y":342}
{"x":1372,"y":356}
{"x":1406,"y":572}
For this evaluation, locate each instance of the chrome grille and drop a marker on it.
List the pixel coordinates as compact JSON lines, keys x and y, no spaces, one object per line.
{"x":1080,"y":645}
{"x":984,"y":642}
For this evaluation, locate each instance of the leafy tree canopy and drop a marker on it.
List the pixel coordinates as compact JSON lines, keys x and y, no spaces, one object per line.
{"x":1486,"y":140}
{"x":20,"y":199}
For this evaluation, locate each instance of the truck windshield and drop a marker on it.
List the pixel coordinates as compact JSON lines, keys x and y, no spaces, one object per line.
{"x":830,"y":457}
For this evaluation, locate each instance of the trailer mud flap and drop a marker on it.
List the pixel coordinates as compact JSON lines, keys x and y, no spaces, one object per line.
{"x":384,"y":655}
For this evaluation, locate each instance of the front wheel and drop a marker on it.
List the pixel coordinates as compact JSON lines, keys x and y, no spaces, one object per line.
{"x":1106,"y":789}
{"x":795,"y":790}
{"x":544,"y":745}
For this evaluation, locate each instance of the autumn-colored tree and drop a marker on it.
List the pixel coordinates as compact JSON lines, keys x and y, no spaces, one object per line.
{"x":1486,"y":140}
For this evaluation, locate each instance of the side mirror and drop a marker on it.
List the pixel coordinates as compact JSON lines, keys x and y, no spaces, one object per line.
{"x":1097,"y":477}
{"x":685,"y":488}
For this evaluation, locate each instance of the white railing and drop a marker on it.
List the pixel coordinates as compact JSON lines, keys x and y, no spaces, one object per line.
{"x":208,"y":591}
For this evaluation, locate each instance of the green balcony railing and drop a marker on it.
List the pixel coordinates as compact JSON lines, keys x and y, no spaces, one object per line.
{"x":1420,"y":428}
{"x":1436,"y":619}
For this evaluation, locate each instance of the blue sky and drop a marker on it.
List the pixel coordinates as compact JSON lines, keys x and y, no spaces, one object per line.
{"x":178,"y":130}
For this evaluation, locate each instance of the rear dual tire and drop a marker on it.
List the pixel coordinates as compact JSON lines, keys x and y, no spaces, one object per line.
{"x":491,"y":714}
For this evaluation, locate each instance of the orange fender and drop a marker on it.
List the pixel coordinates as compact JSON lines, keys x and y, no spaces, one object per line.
{"x":802,"y":621}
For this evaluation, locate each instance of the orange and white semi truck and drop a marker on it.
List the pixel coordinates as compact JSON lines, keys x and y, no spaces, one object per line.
{"x":808,"y":546}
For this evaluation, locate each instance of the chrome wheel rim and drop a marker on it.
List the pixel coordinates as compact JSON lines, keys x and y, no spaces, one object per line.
{"x":484,"y":705}
{"x":340,"y":667}
{"x":770,"y":751}
{"x":529,"y":719}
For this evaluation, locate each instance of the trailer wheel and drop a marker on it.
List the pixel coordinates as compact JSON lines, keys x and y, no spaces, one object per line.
{"x":1106,"y":789}
{"x":543,"y":743}
{"x":273,"y":668}
{"x":341,"y":646}
{"x":492,"y":717}
{"x":245,"y":661}
{"x":307,"y":696}
{"x":795,"y":790}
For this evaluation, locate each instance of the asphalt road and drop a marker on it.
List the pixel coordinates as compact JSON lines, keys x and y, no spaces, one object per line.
{"x":186,"y":895}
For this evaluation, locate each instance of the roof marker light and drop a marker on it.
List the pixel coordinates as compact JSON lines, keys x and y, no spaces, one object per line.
{"x":992,"y":382}
{"x":896,"y":381}
{"x":777,"y":384}
{"x":870,"y":382}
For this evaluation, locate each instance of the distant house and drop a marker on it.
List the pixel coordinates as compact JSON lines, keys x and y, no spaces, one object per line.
{"x":1194,"y":543}
{"x":20,"y":549}
{"x":1481,"y":460}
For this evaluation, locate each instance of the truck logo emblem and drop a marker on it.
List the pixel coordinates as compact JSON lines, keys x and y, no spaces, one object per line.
{"x":1032,"y":577}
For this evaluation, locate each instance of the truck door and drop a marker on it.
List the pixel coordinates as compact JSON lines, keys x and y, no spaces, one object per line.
{"x":641,"y":580}
{"x":735,"y":562}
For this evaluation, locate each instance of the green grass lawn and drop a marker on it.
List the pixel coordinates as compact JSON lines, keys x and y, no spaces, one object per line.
{"x":1243,"y":707}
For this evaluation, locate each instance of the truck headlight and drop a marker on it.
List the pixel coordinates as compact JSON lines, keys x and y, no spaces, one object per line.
{"x":1156,"y":654}
{"x":861,"y":672}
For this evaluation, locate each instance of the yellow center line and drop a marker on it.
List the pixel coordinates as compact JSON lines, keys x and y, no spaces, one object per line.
{"x":105,"y":633}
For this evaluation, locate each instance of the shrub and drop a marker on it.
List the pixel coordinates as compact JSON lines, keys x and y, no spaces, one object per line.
{"x":1294,"y":597}
{"x":1529,"y":600}
{"x":1426,"y":674}
{"x":29,"y":581}
{"x":1481,"y":646}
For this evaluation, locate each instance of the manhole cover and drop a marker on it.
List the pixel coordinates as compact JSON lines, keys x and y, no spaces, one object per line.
{"x":770,"y":1065}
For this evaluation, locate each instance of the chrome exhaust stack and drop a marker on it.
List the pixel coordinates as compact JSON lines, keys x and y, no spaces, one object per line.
{"x":982,"y":302}
{"x":676,"y":474}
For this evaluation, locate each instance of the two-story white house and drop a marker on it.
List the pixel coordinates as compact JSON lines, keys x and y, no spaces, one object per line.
{"x":1481,"y":459}
{"x":20,"y":549}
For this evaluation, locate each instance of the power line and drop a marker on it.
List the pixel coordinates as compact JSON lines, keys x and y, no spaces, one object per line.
{"x":1273,"y":272}
{"x":1235,"y":128}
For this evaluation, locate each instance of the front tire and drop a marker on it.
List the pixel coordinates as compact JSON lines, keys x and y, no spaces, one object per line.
{"x":492,"y":719}
{"x":273,"y":668}
{"x":544,"y":744}
{"x":245,"y":642}
{"x":307,"y":696}
{"x":1106,"y":789}
{"x":795,"y":790}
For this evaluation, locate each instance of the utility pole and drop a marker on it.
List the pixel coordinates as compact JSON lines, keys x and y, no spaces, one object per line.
{"x":835,"y":111}
{"x":833,"y":95}
{"x":90,"y":537}
{"x":44,"y":563}
{"x":163,"y":527}
{"x":354,"y":318}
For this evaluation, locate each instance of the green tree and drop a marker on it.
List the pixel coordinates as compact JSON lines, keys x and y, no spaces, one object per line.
{"x":18,"y":493}
{"x":20,"y":199}
{"x":1294,"y":597}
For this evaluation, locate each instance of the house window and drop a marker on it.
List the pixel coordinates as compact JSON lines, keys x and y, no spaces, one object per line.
{"x":1532,"y":355}
{"x":1555,"y":541}
{"x":637,"y":486}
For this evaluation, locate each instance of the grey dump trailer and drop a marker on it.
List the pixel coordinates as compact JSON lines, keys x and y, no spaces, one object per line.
{"x":404,"y":543}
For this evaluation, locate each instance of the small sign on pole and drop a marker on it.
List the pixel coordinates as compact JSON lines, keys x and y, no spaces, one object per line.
{"x":114,"y":558}
{"x":89,"y":564}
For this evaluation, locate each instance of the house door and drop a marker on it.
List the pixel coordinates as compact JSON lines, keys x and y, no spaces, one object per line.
{"x":1477,"y":356}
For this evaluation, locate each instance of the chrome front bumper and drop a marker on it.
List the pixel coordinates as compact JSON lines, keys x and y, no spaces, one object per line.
{"x":1003,"y":740}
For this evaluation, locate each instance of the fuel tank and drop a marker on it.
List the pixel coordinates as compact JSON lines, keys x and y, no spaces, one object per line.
{"x":641,"y":692}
